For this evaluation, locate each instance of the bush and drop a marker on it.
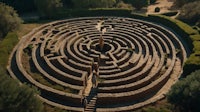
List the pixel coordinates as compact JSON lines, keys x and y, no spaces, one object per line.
{"x":185,"y":93}
{"x":6,"y":47}
{"x":48,"y":8}
{"x":138,"y":4}
{"x":157,"y":9}
{"x":196,"y":46}
{"x":195,"y":37}
{"x":190,"y":12}
{"x":191,"y":65}
{"x":22,"y":6}
{"x":17,"y":97}
{"x":123,"y":5}
{"x":9,"y":20}
{"x":180,"y":3}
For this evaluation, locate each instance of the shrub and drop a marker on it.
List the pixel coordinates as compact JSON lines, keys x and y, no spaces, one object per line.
{"x":157,"y":9}
{"x":17,"y":97}
{"x":138,"y":4}
{"x":196,"y":46}
{"x":9,"y":20}
{"x":123,"y":5}
{"x":6,"y":47}
{"x":48,"y":8}
{"x":195,"y":37}
{"x":190,"y":12}
{"x":185,"y":93}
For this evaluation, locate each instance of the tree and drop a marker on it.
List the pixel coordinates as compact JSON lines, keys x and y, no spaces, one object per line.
{"x":123,"y":5}
{"x":22,"y":6}
{"x":138,"y":4}
{"x":185,"y":94}
{"x":190,"y":12}
{"x":48,"y":8}
{"x":9,"y":20}
{"x":15,"y":97}
{"x":67,"y":3}
{"x":180,"y":3}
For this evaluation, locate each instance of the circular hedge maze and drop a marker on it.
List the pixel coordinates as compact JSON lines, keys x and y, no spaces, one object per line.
{"x":113,"y":63}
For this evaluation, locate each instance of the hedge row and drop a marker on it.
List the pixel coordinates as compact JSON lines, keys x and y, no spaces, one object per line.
{"x":182,"y":29}
{"x":92,"y":12}
{"x":6,"y":47}
{"x":174,"y":24}
{"x":190,"y":36}
{"x":187,"y":33}
{"x":170,"y":14}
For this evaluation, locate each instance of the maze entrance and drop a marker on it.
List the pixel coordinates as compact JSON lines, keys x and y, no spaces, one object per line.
{"x":113,"y":63}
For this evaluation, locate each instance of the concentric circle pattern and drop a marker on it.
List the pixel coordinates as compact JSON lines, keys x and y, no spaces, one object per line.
{"x":135,"y":62}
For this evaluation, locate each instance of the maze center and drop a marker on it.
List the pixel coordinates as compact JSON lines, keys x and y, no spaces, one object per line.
{"x":113,"y":63}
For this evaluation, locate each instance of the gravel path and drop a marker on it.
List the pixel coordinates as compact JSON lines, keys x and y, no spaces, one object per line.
{"x":164,"y":6}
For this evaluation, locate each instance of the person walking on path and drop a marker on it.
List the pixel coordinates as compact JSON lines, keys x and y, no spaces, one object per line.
{"x":84,"y":101}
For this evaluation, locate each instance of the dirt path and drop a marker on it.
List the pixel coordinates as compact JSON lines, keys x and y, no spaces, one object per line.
{"x":89,"y":86}
{"x":164,"y":6}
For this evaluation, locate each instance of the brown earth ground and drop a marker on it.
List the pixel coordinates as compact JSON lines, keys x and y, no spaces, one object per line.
{"x":164,"y":5}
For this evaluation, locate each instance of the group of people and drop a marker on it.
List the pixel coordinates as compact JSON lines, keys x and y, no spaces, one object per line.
{"x":95,"y":69}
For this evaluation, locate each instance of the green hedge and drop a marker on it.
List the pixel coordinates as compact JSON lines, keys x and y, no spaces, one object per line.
{"x":6,"y":47}
{"x":182,"y":29}
{"x":191,"y":36}
{"x":176,"y":25}
{"x":172,"y":13}
{"x":196,"y":46}
{"x":139,"y":16}
{"x":92,"y":12}
{"x":195,"y":37}
{"x":186,"y":32}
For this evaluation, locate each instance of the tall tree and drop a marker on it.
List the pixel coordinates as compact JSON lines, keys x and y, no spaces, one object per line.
{"x":48,"y":8}
{"x":17,"y":98}
{"x":9,"y":20}
{"x":185,"y":94}
{"x":22,"y":6}
{"x":67,"y":3}
{"x":180,"y":3}
{"x":190,"y":12}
